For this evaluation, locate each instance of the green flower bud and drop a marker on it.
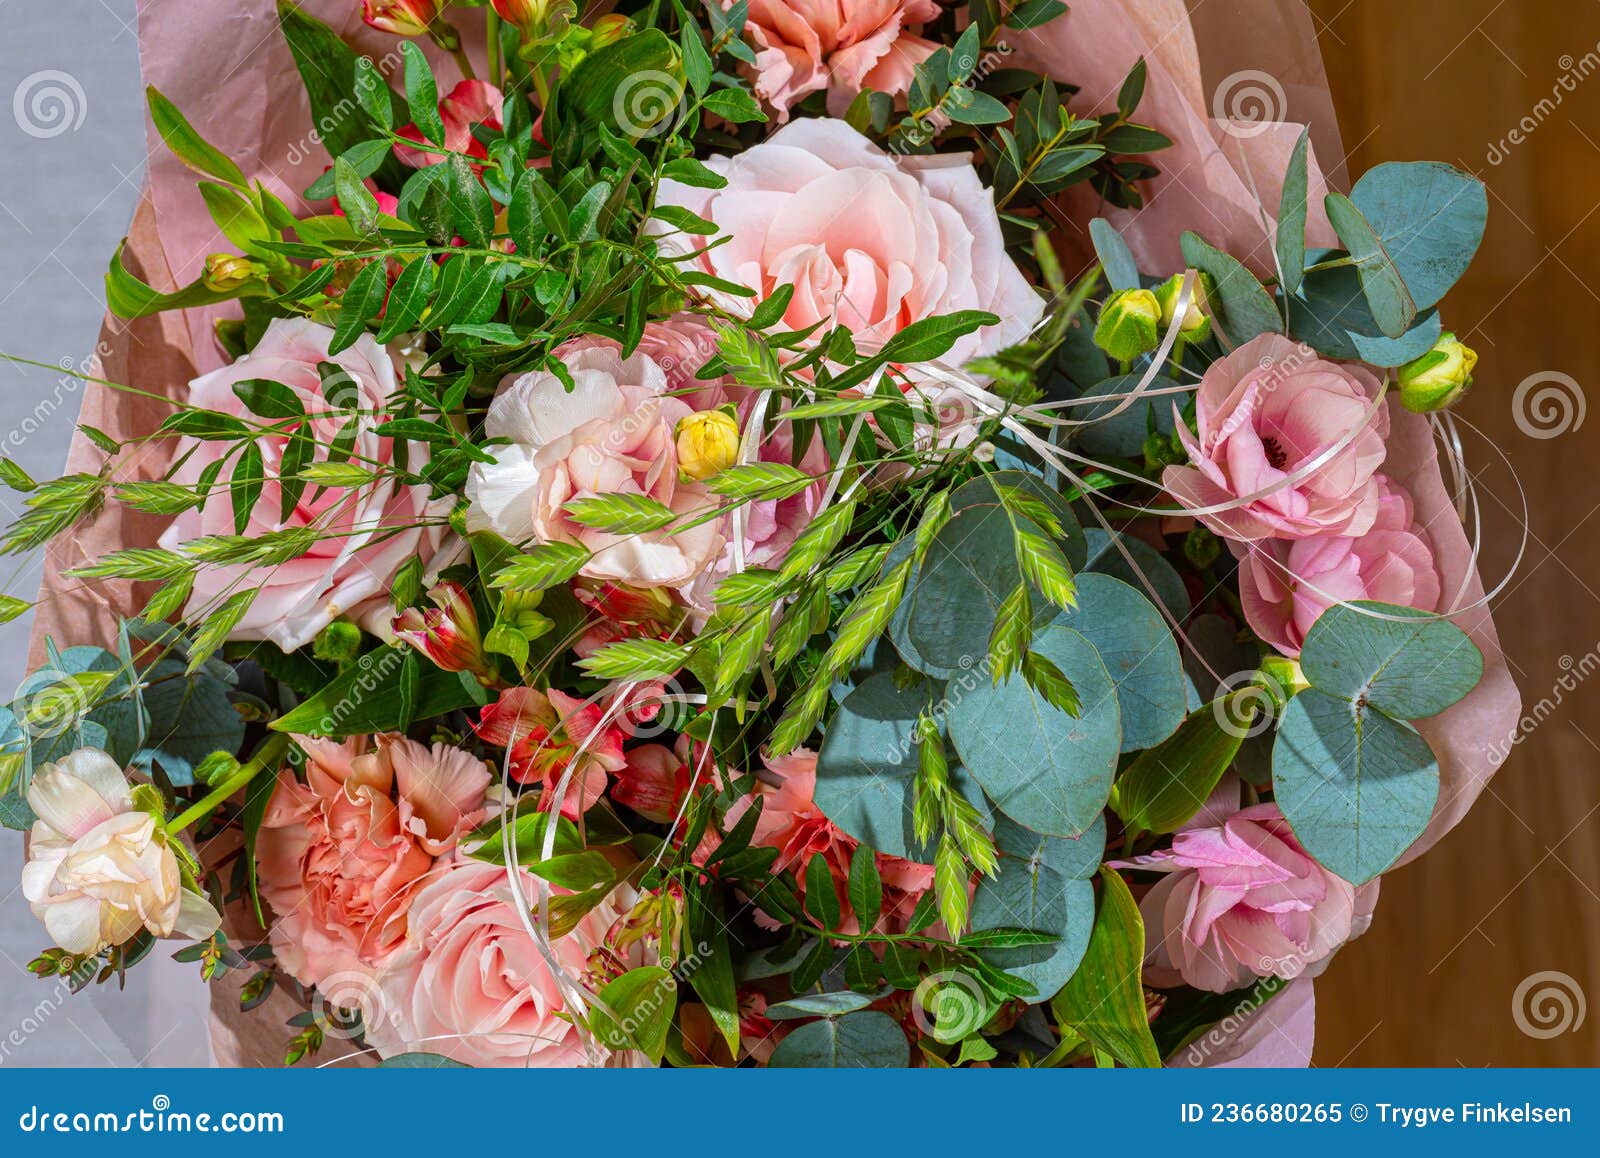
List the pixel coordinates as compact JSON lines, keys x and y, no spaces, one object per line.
{"x":1197,"y":318}
{"x":1201,"y":547}
{"x":225,"y":272}
{"x":1439,"y":377}
{"x":1129,"y":324}
{"x":1281,"y":678}
{"x":1161,"y":450}
{"x":339,"y":642}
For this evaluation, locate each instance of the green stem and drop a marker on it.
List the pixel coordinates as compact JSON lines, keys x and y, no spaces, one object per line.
{"x":270,"y":754}
{"x":496,"y":58}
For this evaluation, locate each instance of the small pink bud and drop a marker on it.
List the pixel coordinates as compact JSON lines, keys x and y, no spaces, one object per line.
{"x":401,"y":17}
{"x":447,"y":633}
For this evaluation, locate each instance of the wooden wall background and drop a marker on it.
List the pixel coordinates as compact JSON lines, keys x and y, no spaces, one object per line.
{"x":1515,"y":890}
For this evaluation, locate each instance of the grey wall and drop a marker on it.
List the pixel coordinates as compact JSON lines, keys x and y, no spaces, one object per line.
{"x":71,"y":158}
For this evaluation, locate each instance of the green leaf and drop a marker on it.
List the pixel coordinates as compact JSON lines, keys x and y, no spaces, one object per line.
{"x":129,"y":297}
{"x":249,"y":475}
{"x":361,"y":301}
{"x":1167,"y":784}
{"x":1104,"y":1000}
{"x":1290,"y":239}
{"x":1429,"y":218}
{"x":1139,"y":654}
{"x":187,"y":144}
{"x":470,"y":203}
{"x":373,"y":95}
{"x":865,"y":887}
{"x":268,"y":399}
{"x":1028,"y":894}
{"x":421,"y":1061}
{"x":818,"y":1005}
{"x":1357,"y":787}
{"x":865,"y":1039}
{"x":820,"y":899}
{"x":1331,"y":315}
{"x":1381,"y":282}
{"x":1410,"y":669}
{"x":422,"y":94}
{"x":931,"y":338}
{"x":1114,"y":255}
{"x":688,"y":171}
{"x":1247,"y":309}
{"x":1045,"y":769}
{"x":734,"y":105}
{"x":635,"y":1011}
{"x":631,"y":85}
{"x":364,"y":698}
{"x":409,"y":297}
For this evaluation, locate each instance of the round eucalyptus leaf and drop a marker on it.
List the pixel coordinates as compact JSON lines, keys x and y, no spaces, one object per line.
{"x":1026,"y":894}
{"x":1047,"y":770}
{"x":1122,"y":434}
{"x":1357,"y":787}
{"x":1072,"y":857}
{"x":863,"y":1040}
{"x":1139,"y":653}
{"x":1106,"y":559}
{"x":1408,"y":669}
{"x":1331,"y":315}
{"x":868,"y":764}
{"x":1429,"y":217}
{"x":983,"y":491}
{"x":900,"y":621}
{"x":819,"y":1005}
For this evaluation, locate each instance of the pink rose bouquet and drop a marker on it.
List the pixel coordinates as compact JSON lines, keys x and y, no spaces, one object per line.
{"x":665,"y":558}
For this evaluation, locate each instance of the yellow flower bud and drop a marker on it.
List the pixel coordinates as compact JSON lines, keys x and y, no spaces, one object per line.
{"x":1129,"y":324}
{"x":1439,"y":377}
{"x":708,"y":443}
{"x":1197,"y":318}
{"x":229,"y":271}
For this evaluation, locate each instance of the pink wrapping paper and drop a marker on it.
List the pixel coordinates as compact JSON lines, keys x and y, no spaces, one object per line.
{"x":227,"y":67}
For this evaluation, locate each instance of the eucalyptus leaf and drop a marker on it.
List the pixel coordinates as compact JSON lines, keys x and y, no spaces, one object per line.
{"x":866,"y":1039}
{"x":1429,"y":218}
{"x":1114,"y":255}
{"x":1246,"y":307}
{"x":1410,"y":669}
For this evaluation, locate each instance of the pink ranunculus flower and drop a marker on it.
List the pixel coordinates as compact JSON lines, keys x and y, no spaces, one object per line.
{"x":369,"y":532}
{"x":1285,"y":584}
{"x":471,"y":102}
{"x":1267,"y":410}
{"x":100,"y":868}
{"x":871,"y":241}
{"x":843,"y":46}
{"x":612,"y":434}
{"x":1242,"y":900}
{"x":792,"y":823}
{"x":471,"y":984}
{"x":341,"y":855}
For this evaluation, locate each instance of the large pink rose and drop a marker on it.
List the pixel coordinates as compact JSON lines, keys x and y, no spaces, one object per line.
{"x":341,"y":855}
{"x":369,"y":533}
{"x":843,"y":46}
{"x":611,"y":434}
{"x":1285,"y":584}
{"x":1269,"y":409}
{"x":470,"y":982}
{"x":872,"y":241}
{"x":791,"y":822}
{"x":1243,"y":899}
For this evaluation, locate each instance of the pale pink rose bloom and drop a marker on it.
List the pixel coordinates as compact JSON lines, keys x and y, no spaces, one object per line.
{"x":98,"y":869}
{"x":370,"y":532}
{"x":843,"y":46}
{"x":1242,"y":900}
{"x":1268,"y":409}
{"x":872,"y":241}
{"x":611,"y":434}
{"x":471,"y":984}
{"x":341,"y":855}
{"x":1286,"y":584}
{"x":471,"y":102}
{"x":791,"y":822}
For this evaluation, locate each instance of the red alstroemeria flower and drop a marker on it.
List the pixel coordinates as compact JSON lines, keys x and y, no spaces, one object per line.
{"x":542,"y":732}
{"x":471,"y":102}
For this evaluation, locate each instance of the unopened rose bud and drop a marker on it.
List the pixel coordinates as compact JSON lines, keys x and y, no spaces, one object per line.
{"x":447,"y":633}
{"x":708,"y":443}
{"x":229,"y":271}
{"x":1196,"y":325}
{"x":1439,"y":377}
{"x":1129,"y":324}
{"x":401,"y":17}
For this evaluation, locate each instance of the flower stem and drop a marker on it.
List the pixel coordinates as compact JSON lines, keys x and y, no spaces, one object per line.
{"x":269,"y":754}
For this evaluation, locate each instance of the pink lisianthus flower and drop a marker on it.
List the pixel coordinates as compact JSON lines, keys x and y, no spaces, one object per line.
{"x":471,"y":984}
{"x":843,"y":46}
{"x":471,"y":102}
{"x":612,"y":434}
{"x":341,"y":855}
{"x":868,"y":240}
{"x":1285,"y":585}
{"x":365,"y":535}
{"x":791,"y":822}
{"x":542,"y":732}
{"x":1242,"y":900}
{"x":1269,"y":409}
